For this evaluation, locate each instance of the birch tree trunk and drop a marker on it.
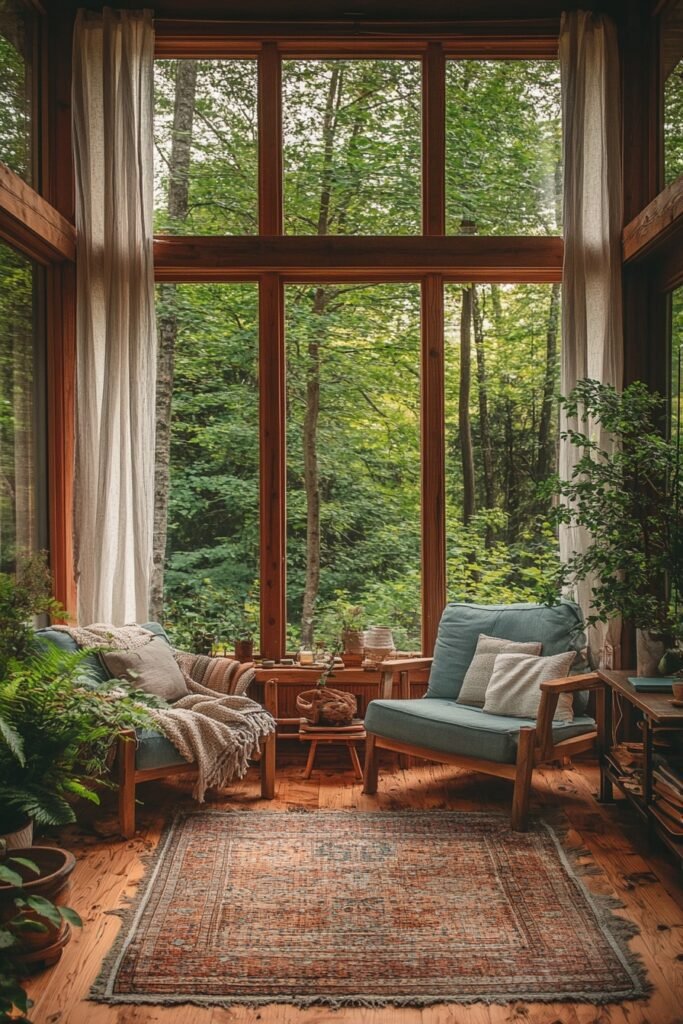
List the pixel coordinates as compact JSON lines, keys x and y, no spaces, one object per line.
{"x":167,"y":324}
{"x":465,"y":427}
{"x":484,"y":422}
{"x":546,"y":444}
{"x":312,"y":414}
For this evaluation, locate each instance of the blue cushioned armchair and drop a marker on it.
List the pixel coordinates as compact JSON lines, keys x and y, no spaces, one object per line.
{"x":437,"y":728}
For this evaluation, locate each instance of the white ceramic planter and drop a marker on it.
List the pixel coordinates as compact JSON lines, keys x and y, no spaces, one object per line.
{"x":20,"y":837}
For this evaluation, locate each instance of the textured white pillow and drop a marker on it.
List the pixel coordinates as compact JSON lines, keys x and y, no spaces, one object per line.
{"x":478,"y":675}
{"x":515,"y":687}
{"x":151,"y":668}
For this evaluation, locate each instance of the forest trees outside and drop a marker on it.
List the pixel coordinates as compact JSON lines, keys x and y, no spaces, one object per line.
{"x":352,"y":166}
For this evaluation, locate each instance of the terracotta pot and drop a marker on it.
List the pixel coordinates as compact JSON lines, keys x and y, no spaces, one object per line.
{"x":22,"y":836}
{"x":53,"y":883}
{"x":354,"y":641}
{"x":244,"y":650}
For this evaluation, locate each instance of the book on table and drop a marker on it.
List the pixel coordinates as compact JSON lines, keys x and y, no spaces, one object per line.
{"x":652,"y":684}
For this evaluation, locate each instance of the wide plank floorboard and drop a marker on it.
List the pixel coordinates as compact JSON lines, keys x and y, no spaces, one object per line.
{"x":645,"y":879}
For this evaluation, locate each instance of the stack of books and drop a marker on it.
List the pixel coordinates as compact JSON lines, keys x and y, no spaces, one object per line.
{"x":343,"y":730}
{"x":667,"y":792}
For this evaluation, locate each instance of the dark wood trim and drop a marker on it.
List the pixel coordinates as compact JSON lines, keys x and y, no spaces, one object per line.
{"x":495,"y":39}
{"x":32,"y":224}
{"x":465,"y":258}
{"x":434,"y":141}
{"x":270,"y":140}
{"x":655,"y":225}
{"x":638,"y":44}
{"x":273,"y":486}
{"x":433,"y":461}
{"x":61,"y":370}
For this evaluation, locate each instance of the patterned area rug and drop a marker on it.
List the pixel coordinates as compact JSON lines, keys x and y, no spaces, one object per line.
{"x":366,"y":909}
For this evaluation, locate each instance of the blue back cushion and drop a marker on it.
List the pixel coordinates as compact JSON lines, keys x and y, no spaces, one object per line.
{"x":558,"y":627}
{"x":92,"y":667}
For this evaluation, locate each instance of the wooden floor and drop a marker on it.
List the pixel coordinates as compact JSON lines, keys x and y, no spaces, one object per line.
{"x":647,"y":882}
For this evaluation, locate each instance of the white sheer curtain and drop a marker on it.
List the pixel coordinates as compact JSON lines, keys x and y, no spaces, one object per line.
{"x":116,"y":333}
{"x":592,"y":343}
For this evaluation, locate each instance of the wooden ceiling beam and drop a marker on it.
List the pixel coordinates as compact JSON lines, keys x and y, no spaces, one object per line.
{"x":655,"y":225}
{"x":464,"y":258}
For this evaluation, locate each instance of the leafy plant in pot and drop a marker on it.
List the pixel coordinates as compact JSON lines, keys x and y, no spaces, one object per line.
{"x":625,"y":490}
{"x":33,"y":928}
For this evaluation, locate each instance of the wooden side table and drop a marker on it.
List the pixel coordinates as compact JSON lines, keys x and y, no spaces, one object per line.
{"x":321,"y":734}
{"x":655,"y":713}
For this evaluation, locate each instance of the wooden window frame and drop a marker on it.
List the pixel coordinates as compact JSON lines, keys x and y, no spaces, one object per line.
{"x":37,"y":221}
{"x":429,"y":259}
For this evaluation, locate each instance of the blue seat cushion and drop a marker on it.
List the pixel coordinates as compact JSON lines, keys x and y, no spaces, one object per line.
{"x":155,"y":751}
{"x":558,"y":627}
{"x":446,"y":727}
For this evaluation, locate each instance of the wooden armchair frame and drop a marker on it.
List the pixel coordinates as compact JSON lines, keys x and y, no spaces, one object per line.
{"x":129,"y":775}
{"x":536,"y":744}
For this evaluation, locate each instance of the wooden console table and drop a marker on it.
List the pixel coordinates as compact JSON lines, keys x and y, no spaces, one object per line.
{"x":364,"y":684}
{"x":654,"y":712}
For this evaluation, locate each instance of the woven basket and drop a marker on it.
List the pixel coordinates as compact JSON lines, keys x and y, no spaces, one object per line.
{"x":324,"y":706}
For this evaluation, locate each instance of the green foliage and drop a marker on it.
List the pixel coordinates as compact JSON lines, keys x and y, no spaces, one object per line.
{"x":58,"y":733}
{"x":673,"y":123}
{"x":626,"y":491}
{"x":20,"y":915}
{"x":351,"y":165}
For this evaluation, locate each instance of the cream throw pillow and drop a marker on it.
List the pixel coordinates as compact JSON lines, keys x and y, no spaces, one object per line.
{"x":515,"y":687}
{"x":151,"y":668}
{"x":478,"y":675}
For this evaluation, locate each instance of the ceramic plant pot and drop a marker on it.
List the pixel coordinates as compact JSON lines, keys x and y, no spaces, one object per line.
{"x":379,"y":644}
{"x":354,"y":641}
{"x":21,"y":836}
{"x":55,"y":865}
{"x":244,"y":650}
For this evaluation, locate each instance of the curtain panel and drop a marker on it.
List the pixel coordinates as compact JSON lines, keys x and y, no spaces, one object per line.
{"x":592,"y":336}
{"x":112,"y":102}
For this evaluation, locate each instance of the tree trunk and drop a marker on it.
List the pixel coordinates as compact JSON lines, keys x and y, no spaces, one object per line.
{"x":546,"y":445}
{"x":466,"y":452}
{"x":167,"y":324}
{"x":484,"y":422}
{"x":311,"y":417}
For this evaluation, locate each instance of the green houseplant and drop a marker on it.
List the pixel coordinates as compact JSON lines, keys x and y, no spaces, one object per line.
{"x":625,"y":490}
{"x":57,"y":727}
{"x":33,"y":927}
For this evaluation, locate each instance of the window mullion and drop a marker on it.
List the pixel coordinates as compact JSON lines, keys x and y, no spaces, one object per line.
{"x":432,"y":460}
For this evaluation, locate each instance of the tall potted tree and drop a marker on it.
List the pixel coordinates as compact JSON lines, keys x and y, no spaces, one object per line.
{"x":625,"y":490}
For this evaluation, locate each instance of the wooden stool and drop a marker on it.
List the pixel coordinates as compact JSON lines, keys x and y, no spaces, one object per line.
{"x":348,"y":735}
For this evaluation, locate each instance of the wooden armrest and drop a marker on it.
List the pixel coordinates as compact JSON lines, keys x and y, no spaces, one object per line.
{"x":404,"y":664}
{"x":550,"y":694}
{"x":589,"y":681}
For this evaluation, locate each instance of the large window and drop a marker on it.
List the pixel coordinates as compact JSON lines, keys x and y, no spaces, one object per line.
{"x":672,"y":76}
{"x":208,"y":462}
{"x":341,"y":180}
{"x":352,"y":147}
{"x":504,"y":147}
{"x":353,"y":457}
{"x":17,"y":31}
{"x":22,"y":526}
{"x":502,"y":379}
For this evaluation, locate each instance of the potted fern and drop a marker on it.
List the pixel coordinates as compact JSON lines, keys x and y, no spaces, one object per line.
{"x":57,"y":727}
{"x":625,"y":490}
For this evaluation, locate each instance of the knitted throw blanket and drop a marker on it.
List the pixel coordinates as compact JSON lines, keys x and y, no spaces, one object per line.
{"x":219,"y":732}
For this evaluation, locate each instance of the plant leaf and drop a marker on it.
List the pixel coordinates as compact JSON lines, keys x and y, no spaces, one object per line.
{"x":9,"y":876}
{"x":71,"y":916}
{"x":45,"y":908}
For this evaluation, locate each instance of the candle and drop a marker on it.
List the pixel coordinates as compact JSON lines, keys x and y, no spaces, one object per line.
{"x":305,"y":657}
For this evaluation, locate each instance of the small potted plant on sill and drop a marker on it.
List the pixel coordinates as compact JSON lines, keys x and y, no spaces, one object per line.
{"x":625,"y":490}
